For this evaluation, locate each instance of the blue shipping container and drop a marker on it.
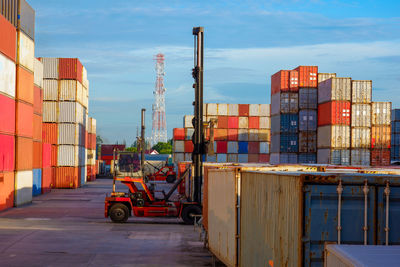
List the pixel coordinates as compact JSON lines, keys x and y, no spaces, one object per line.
{"x":395,"y":127}
{"x":83,"y":176}
{"x":37,"y":182}
{"x":289,"y":143}
{"x":308,"y":158}
{"x":308,"y":98}
{"x":285,"y":123}
{"x":288,"y":158}
{"x":243,"y":147}
{"x":308,"y":120}
{"x":395,"y":114}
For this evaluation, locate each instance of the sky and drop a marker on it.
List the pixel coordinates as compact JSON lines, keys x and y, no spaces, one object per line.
{"x":245,"y":43}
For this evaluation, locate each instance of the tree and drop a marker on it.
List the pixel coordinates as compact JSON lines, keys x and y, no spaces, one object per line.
{"x":163,"y":148}
{"x":131,"y":149}
{"x":99,"y":140}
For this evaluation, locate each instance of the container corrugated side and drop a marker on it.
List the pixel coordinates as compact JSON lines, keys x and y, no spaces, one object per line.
{"x":308,"y":98}
{"x":381,"y":136}
{"x":23,"y":153}
{"x":360,"y":157}
{"x":37,"y":182}
{"x":68,"y":134}
{"x":7,"y":111}
{"x":7,"y":190}
{"x":361,"y":91}
{"x":381,"y":113}
{"x":361,"y":137}
{"x":38,"y":73}
{"x":85,"y":81}
{"x":265,"y":110}
{"x":20,"y":14}
{"x":68,"y":156}
{"x":7,"y":76}
{"x":334,"y":89}
{"x":284,"y":103}
{"x":361,"y":115}
{"x":26,"y":52}
{"x":66,"y":177}
{"x":9,"y":35}
{"x":325,"y":76}
{"x":334,"y":136}
{"x":94,"y":126}
{"x":50,"y":111}
{"x":233,"y":109}
{"x":333,"y":156}
{"x":50,"y":90}
{"x":70,"y":68}
{"x":69,"y":91}
{"x":308,"y":142}
{"x":308,"y":120}
{"x":187,"y":121}
{"x":23,"y":187}
{"x":7,"y":153}
{"x":50,"y":67}
{"x":72,"y":112}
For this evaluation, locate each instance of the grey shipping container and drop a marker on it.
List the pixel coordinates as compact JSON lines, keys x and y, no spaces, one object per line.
{"x":334,"y":89}
{"x":360,"y":157}
{"x":308,"y":120}
{"x":20,"y":14}
{"x":360,"y":137}
{"x":333,"y":156}
{"x":308,"y":98}
{"x":307,"y":158}
{"x":361,"y":115}
{"x":284,"y":103}
{"x":307,"y":142}
{"x":381,"y":113}
{"x":334,"y":136}
{"x":361,"y":91}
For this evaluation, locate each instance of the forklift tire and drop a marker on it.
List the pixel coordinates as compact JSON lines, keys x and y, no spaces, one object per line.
{"x":119,"y":213}
{"x":188,"y":212}
{"x":170,"y":179}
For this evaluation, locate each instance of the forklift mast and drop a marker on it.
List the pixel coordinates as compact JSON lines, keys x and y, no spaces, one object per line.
{"x":198,"y":141}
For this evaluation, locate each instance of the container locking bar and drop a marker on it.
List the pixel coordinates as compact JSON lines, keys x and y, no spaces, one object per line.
{"x":365,"y":228}
{"x":339,"y":226}
{"x":387,"y":193}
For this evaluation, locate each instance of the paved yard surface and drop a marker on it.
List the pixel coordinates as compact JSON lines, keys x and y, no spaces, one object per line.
{"x":68,"y":228}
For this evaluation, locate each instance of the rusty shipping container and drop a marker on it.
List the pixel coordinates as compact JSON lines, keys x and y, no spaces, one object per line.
{"x":381,"y":113}
{"x":361,"y":115}
{"x":307,"y":142}
{"x":325,"y":76}
{"x":20,"y":14}
{"x":334,"y":136}
{"x":308,"y":76}
{"x":380,"y":157}
{"x":284,"y":103}
{"x":334,"y":112}
{"x":381,"y":136}
{"x":333,"y":156}
{"x":361,"y":91}
{"x":360,"y":137}
{"x":334,"y":89}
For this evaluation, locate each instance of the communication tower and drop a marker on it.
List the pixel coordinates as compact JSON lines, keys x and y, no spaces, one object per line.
{"x":159,"y":130}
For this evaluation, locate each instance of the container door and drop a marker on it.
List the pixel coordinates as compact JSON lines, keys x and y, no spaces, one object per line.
{"x":321,"y":219}
{"x":394,"y":216}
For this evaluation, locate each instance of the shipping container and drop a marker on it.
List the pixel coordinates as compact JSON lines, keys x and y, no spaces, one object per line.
{"x":50,"y":111}
{"x":212,"y":109}
{"x":187,"y":121}
{"x":265,"y":110}
{"x":380,"y":157}
{"x":334,"y":89}
{"x":50,"y":133}
{"x":188,"y":147}
{"x":37,"y":155}
{"x":232,"y":158}
{"x":361,"y":91}
{"x":254,"y":110}
{"x":222,"y":122}
{"x":253,"y":158}
{"x":37,"y":127}
{"x":91,"y":157}
{"x":243,"y":147}
{"x":293,"y":80}
{"x":307,"y":120}
{"x":23,"y":153}
{"x":333,"y":136}
{"x":360,"y":137}
{"x":70,"y":134}
{"x":325,"y":76}
{"x":255,"y":135}
{"x":222,"y":110}
{"x":71,"y":90}
{"x":50,"y":67}
{"x":265,"y":123}
{"x":70,"y":69}
{"x":37,"y":182}
{"x":289,"y":158}
{"x":220,"y":134}
{"x":38,"y":73}
{"x":7,"y":76}
{"x":20,"y":14}
{"x":66,"y":177}
{"x":7,"y":153}
{"x":179,"y":134}
{"x":395,"y":114}
{"x":6,"y":190}
{"x":334,"y":112}
{"x":25,"y":52}
{"x":69,"y":156}
{"x":308,"y":98}
{"x":395,"y":126}
{"x":46,"y":155}
{"x":264,"y":158}
{"x":308,"y":76}
{"x":284,"y":103}
{"x":361,"y":115}
{"x":285,"y":123}
{"x":285,"y":143}
{"x":244,"y":110}
{"x":243,"y":122}
{"x":307,"y":142}
{"x":280,"y":82}
{"x":381,"y":113}
{"x":243,"y":158}
{"x":47,"y":179}
{"x":232,"y":135}
{"x":211,"y":158}
{"x":360,"y":157}
{"x":24,"y":119}
{"x":333,"y":156}
{"x":307,"y":158}
{"x":50,"y":90}
{"x":254,"y":122}
{"x":178,"y":157}
{"x":9,"y":34}
{"x":264,"y":147}
{"x":380,"y":136}
{"x":72,"y":112}
{"x":222,"y":147}
{"x":243,"y":135}
{"x":37,"y":100}
{"x":222,"y":158}
{"x":233,"y":122}
{"x":7,"y":109}
{"x":233,"y":109}
{"x":24,"y":88}
{"x":85,"y":81}
{"x":108,"y":149}
{"x":23,"y":187}
{"x":179,"y":146}
{"x":254,"y":148}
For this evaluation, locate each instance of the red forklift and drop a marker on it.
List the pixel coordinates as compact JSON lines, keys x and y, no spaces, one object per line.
{"x":141,"y":200}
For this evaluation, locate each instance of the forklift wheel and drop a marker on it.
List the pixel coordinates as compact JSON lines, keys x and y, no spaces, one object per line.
{"x":119,"y":213}
{"x":170,"y":179}
{"x":188,"y":212}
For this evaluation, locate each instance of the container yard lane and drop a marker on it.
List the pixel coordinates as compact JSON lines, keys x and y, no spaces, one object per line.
{"x":67,"y":228}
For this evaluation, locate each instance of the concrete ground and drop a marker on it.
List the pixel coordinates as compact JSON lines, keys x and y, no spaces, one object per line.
{"x":68,"y":228}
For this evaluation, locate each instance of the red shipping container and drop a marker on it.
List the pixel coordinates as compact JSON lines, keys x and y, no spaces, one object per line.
{"x":70,"y":69}
{"x":93,"y":141}
{"x":24,"y":119}
{"x":107,"y":157}
{"x":7,"y":111}
{"x":66,"y":177}
{"x":233,"y":122}
{"x":232,"y":134}
{"x":220,"y":134}
{"x":47,"y":179}
{"x":24,"y":89}
{"x":23,"y":153}
{"x":37,"y":155}
{"x":308,"y":76}
{"x":280,"y":82}
{"x":54,"y":155}
{"x":263,"y":158}
{"x":46,"y":155}
{"x":222,"y":122}
{"x":87,"y":140}
{"x":294,"y":81}
{"x":334,"y":112}
{"x":254,"y":122}
{"x":253,"y":158}
{"x":109,"y":149}
{"x":37,"y":100}
{"x":7,"y":152}
{"x":91,"y":176}
{"x":37,"y":127}
{"x":243,"y":110}
{"x":222,"y":147}
{"x":50,"y":133}
{"x":8,"y":44}
{"x":6,"y":190}
{"x":254,"y":148}
{"x":179,"y":134}
{"x":380,"y":157}
{"x":188,"y":146}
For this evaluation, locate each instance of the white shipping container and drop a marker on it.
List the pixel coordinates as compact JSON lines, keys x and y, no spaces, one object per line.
{"x":25,"y":51}
{"x":72,"y":112}
{"x":334,"y":89}
{"x":360,"y":157}
{"x":254,"y":110}
{"x":221,"y":158}
{"x":7,"y":76}
{"x":264,"y":147}
{"x":361,"y":137}
{"x":179,"y":146}
{"x":334,"y":136}
{"x":179,"y":157}
{"x":265,"y":110}
{"x":68,"y":156}
{"x":243,"y":158}
{"x":23,"y":187}
{"x":69,"y":134}
{"x":85,"y":81}
{"x":38,"y":73}
{"x":233,"y":158}
{"x":50,"y":90}
{"x":223,"y":109}
{"x":265,"y":123}
{"x":361,"y":115}
{"x":243,"y":122}
{"x":187,"y":121}
{"x":325,"y":76}
{"x":85,"y":97}
{"x":71,"y":90}
{"x":233,"y":147}
{"x":212,"y":109}
{"x":361,"y":91}
{"x":50,"y":110}
{"x":233,"y":109}
{"x":91,"y":157}
{"x":381,"y":113}
{"x":243,"y":135}
{"x":50,"y":67}
{"x":93,"y":128}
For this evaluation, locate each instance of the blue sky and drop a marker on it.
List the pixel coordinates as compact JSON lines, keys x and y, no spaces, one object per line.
{"x":246,"y":42}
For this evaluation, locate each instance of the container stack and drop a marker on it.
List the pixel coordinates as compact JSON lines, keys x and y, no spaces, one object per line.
{"x":106,"y":153}
{"x":241,"y":134}
{"x":395,"y":140}
{"x":64,"y":115}
{"x":380,"y":133}
{"x":361,"y":122}
{"x":334,"y":110}
{"x":37,"y":131}
{"x":91,"y":150}
{"x":7,"y":110}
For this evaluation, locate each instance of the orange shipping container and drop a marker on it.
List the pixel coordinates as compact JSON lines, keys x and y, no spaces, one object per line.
{"x":220,"y":134}
{"x":6,"y":189}
{"x":23,"y":153}
{"x":253,"y":158}
{"x":188,"y":146}
{"x":380,"y":136}
{"x":8,"y":35}
{"x":66,"y":177}
{"x":37,"y":127}
{"x":308,"y":76}
{"x":243,"y":110}
{"x":24,"y":119}
{"x":254,"y":122}
{"x":47,"y":179}
{"x":380,"y":157}
{"x":50,"y":133}
{"x":179,"y":134}
{"x":70,"y":69}
{"x":54,"y":155}
{"x":294,"y":80}
{"x":24,"y":85}
{"x":334,"y":113}
{"x":37,"y":155}
{"x":233,"y":134}
{"x":279,"y":82}
{"x":37,"y":100}
{"x":222,"y":122}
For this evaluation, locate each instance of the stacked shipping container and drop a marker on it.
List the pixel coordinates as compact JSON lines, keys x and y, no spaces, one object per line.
{"x":380,"y":133}
{"x":91,"y":150}
{"x":37,"y":156}
{"x":395,"y":140}
{"x":241,"y":134}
